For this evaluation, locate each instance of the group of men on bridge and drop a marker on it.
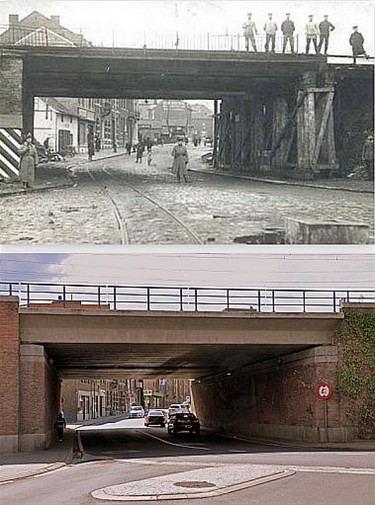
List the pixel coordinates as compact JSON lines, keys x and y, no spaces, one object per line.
{"x":312,"y":32}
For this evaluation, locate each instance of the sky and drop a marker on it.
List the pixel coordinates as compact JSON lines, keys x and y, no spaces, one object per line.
{"x":303,"y":267}
{"x":131,"y":23}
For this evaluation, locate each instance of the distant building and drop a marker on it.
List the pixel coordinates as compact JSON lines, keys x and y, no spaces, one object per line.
{"x":164,"y":120}
{"x":202,"y":121}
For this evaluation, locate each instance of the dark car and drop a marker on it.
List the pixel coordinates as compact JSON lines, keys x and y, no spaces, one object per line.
{"x":155,"y":417}
{"x":183,"y":421}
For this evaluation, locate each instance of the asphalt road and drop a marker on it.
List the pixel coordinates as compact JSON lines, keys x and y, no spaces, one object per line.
{"x":117,"y":201}
{"x":125,"y":451}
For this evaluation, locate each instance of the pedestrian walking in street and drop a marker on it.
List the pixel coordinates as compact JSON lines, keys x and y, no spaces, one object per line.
{"x":325,"y":28}
{"x":97,"y":143}
{"x":59,"y":426}
{"x":250,"y":30}
{"x":149,"y":157}
{"x":140,"y":151}
{"x":270,"y":27}
{"x":356,"y":41}
{"x":128,"y":147}
{"x":90,"y":145}
{"x":312,"y":33}
{"x":287,"y":27}
{"x":180,"y":161}
{"x":29,"y":161}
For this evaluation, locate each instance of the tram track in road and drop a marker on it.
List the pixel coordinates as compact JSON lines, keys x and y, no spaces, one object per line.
{"x":121,"y":220}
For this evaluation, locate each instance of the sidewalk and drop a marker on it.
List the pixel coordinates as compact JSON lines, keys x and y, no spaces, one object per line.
{"x":55,"y":175}
{"x":15,"y":466}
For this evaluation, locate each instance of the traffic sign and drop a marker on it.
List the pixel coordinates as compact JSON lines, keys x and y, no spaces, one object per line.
{"x":324,"y":391}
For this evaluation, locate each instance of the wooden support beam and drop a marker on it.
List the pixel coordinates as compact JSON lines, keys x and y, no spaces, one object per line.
{"x":323,"y":127}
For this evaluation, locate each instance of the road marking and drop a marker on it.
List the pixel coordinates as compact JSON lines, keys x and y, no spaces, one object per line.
{"x":176,"y":445}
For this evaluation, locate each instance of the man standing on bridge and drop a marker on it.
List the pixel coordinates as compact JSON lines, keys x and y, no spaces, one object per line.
{"x":287,"y":27}
{"x":356,"y":41}
{"x":312,"y":33}
{"x":325,"y":27}
{"x":270,"y":27}
{"x":250,"y":30}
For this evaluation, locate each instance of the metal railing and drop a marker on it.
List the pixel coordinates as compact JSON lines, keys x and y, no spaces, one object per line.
{"x":181,"y":298}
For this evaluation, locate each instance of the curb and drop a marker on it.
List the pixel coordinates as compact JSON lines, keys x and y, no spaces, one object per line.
{"x":280,"y":182}
{"x":99,"y":494}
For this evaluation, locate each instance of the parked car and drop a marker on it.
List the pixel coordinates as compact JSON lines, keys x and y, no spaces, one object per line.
{"x":155,"y":417}
{"x":177,"y":407}
{"x":136,"y":411}
{"x":183,"y":421}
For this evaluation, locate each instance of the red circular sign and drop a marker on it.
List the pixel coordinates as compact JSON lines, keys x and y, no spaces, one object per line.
{"x":324,"y":391}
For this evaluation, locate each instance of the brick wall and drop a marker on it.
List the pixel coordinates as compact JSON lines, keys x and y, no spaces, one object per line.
{"x":276,"y":399}
{"x":39,"y":394}
{"x":11,"y":107}
{"x":9,"y":373}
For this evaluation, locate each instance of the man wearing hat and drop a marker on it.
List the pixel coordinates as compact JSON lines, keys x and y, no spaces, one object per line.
{"x":270,"y":27}
{"x":250,"y":30}
{"x":325,"y":27}
{"x":287,"y":27}
{"x":356,"y":41}
{"x":312,"y":33}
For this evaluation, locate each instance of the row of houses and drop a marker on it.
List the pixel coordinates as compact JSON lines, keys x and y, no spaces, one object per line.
{"x":83,"y":399}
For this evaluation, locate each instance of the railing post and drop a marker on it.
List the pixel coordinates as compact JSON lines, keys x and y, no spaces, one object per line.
{"x":196,"y":300}
{"x":273,"y":301}
{"x":64,"y":293}
{"x":304,"y":300}
{"x":10,"y":289}
{"x":99,"y":296}
{"x":259,"y":301}
{"x":114,"y":298}
{"x":347,"y":296}
{"x":181,"y":301}
{"x":228,"y":299}
{"x":28,"y":295}
{"x":148,"y":299}
{"x":334,"y":301}
{"x":208,"y":41}
{"x":297,"y":41}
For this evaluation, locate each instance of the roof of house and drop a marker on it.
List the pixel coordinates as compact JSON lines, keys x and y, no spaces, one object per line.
{"x":35,"y":20}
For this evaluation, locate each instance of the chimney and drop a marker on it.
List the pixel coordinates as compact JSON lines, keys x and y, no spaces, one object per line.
{"x":56,"y":20}
{"x":13,"y":19}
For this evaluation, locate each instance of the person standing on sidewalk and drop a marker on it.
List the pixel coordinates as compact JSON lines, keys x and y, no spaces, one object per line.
{"x":180,"y":160}
{"x":325,"y":28}
{"x":29,"y":161}
{"x":312,"y":33}
{"x":270,"y":27}
{"x":59,"y":426}
{"x":287,"y":27}
{"x":250,"y":30}
{"x":90,"y":145}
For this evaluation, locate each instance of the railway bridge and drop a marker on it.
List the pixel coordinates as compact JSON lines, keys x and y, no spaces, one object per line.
{"x":294,"y":115}
{"x":264,"y":364}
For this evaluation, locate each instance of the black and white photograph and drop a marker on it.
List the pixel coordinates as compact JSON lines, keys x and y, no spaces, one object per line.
{"x":186,"y":122}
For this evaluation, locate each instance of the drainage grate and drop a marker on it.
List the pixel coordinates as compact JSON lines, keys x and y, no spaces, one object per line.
{"x":194,"y":484}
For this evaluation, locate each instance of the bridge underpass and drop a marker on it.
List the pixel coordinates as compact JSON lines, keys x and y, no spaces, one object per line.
{"x":277,"y":111}
{"x":263,"y":366}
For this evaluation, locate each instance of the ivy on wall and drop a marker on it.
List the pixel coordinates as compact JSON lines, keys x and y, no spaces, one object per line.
{"x":356,"y":371}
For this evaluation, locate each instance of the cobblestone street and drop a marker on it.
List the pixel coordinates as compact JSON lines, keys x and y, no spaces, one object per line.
{"x":118,"y":201}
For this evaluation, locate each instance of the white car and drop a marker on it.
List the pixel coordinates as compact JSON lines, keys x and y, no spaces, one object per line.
{"x":136,"y":411}
{"x":176,"y":408}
